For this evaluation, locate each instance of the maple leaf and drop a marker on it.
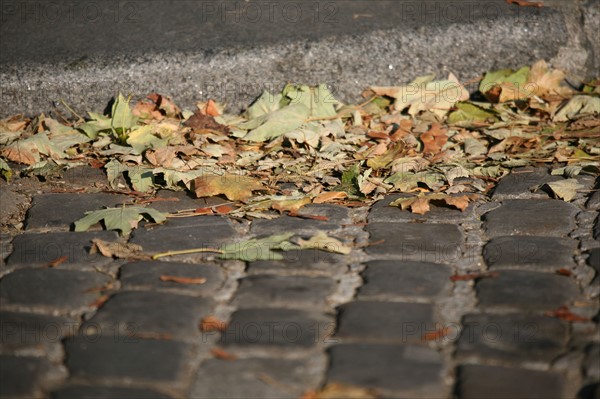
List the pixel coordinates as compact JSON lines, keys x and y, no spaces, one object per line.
{"x":234,"y":187}
{"x":123,"y":219}
{"x":421,"y":203}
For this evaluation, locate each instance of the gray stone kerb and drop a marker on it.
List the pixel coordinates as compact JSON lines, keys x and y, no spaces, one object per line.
{"x":193,"y":56}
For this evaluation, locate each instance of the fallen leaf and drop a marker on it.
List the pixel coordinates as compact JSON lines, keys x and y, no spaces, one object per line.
{"x":234,"y":187}
{"x":211,"y":323}
{"x":564,"y":313}
{"x":123,"y":219}
{"x":276,"y":123}
{"x":546,"y":83}
{"x":222,"y":354}
{"x":505,"y":85}
{"x":201,"y":123}
{"x":336,"y":390}
{"x":117,"y":250}
{"x":58,"y":261}
{"x":526,"y":3}
{"x":565,"y":189}
{"x":329,"y":196}
{"x":291,"y":205}
{"x":425,"y":94}
{"x":436,"y":335}
{"x":183,"y":280}
{"x":434,"y":139}
{"x":578,"y":106}
{"x":323,"y":242}
{"x":564,"y":272}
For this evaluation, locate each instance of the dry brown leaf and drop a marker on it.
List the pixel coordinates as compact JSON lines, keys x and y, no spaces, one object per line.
{"x":461,"y":201}
{"x":434,"y":139}
{"x":330,"y":196}
{"x":234,"y":187}
{"x":291,"y":205}
{"x":183,"y":280}
{"x":222,"y":354}
{"x":212,"y":109}
{"x":201,"y":123}
{"x":211,"y":323}
{"x":546,"y":83}
{"x":117,"y":249}
{"x":420,"y":206}
{"x":58,"y":261}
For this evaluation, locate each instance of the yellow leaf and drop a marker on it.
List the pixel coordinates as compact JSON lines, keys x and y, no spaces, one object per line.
{"x":234,"y":187}
{"x":291,"y":205}
{"x":325,"y":243}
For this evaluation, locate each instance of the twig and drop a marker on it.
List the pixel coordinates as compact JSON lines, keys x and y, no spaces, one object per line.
{"x":185,"y":252}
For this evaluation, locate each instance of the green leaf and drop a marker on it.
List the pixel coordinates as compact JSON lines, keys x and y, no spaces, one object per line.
{"x":468,"y":113}
{"x":511,"y":82}
{"x":141,"y":178}
{"x":97,"y":123}
{"x":278,"y":123}
{"x":565,"y":189}
{"x":142,"y":138}
{"x":350,"y":180}
{"x":114,"y":170}
{"x":5,"y":170}
{"x":122,"y":219}
{"x":122,"y":117}
{"x":319,"y":100}
{"x":258,"y":248}
{"x":264,"y":105}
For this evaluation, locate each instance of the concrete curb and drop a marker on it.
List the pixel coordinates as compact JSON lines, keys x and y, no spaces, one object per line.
{"x":491,"y":35}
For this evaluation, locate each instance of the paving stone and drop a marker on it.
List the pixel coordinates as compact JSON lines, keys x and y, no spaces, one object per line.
{"x":246,"y":378}
{"x":536,"y":253}
{"x":388,"y":278}
{"x":277,"y":327}
{"x":60,"y":211}
{"x":106,"y":392}
{"x":381,"y":212}
{"x":526,"y":290}
{"x":285,"y":224}
{"x":487,"y":382}
{"x":146,"y":275}
{"x":385,"y":322}
{"x":591,"y":364}
{"x":127,"y":358}
{"x":150,"y":314}
{"x":596,"y":231}
{"x":13,"y":203}
{"x":537,"y":217}
{"x":303,"y":261}
{"x":512,"y":338}
{"x":438,"y":243}
{"x":519,"y":183}
{"x":283,"y":291}
{"x":593,"y":201}
{"x":51,"y":289}
{"x":22,"y":376}
{"x":400,"y":370}
{"x":85,"y":176}
{"x":185,"y":233}
{"x":38,"y":249}
{"x":335,"y":213}
{"x":25,"y":330}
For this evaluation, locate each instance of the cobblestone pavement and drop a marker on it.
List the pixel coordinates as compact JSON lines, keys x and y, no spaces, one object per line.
{"x":499,"y":301}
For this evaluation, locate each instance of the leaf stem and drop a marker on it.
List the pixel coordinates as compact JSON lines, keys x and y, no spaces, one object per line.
{"x":186,"y":251}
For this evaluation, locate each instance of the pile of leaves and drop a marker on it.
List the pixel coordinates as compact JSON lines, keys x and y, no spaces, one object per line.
{"x":431,"y":139}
